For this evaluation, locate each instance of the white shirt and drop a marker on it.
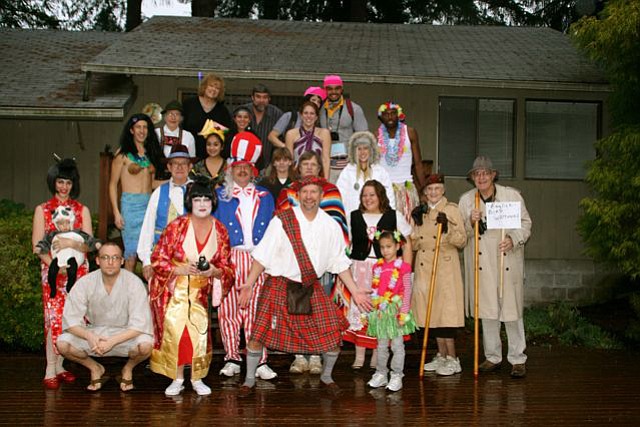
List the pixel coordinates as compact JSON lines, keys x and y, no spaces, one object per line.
{"x":401,"y":172}
{"x":126,"y":307}
{"x":350,"y":186}
{"x":371,"y":220}
{"x":246,"y":207}
{"x":145,"y":242}
{"x":322,"y":238}
{"x":187,"y":140}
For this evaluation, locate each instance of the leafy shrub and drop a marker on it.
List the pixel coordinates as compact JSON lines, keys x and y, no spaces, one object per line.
{"x":563,"y":323}
{"x":21,"y":323}
{"x":633,"y":331}
{"x":610,"y":223}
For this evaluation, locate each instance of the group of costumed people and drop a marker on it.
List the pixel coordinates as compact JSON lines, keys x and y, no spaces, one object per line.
{"x":297,"y":262}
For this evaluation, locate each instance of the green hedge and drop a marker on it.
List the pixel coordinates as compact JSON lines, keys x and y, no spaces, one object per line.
{"x":21,"y":324}
{"x":561,"y":322}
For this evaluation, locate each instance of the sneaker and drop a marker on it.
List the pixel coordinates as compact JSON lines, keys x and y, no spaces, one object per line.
{"x":175,"y":388}
{"x":201,"y":388}
{"x":488,"y":366}
{"x":449,"y":367}
{"x":519,"y":370}
{"x":264,"y":372}
{"x":299,"y":365}
{"x":434,"y":364}
{"x":315,"y":365}
{"x":377,"y":380}
{"x":230,"y":369}
{"x":395,"y":383}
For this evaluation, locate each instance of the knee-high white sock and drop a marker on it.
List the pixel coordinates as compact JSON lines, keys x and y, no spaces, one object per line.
{"x":329,"y":360}
{"x":253,"y":358}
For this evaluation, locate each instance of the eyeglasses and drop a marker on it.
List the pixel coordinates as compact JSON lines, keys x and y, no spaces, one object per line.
{"x":183,"y":164}
{"x":110,"y":258}
{"x":174,"y":113}
{"x":482,"y":173}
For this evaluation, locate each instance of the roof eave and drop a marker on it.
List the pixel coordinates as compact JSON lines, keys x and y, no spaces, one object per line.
{"x":73,"y":113}
{"x":359,"y":78}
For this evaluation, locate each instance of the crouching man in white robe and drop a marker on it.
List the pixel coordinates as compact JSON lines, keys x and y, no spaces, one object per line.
{"x":107,"y":313}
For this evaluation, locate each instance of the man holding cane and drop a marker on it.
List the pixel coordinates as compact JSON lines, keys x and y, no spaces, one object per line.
{"x":494,"y":308}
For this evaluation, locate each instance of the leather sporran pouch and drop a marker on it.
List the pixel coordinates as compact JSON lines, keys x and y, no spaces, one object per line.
{"x":298,"y":298}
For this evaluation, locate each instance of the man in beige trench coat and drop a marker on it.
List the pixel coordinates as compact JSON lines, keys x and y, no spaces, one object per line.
{"x":492,"y":309}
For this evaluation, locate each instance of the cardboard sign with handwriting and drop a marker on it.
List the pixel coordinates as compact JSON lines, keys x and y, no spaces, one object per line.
{"x":503,"y":215}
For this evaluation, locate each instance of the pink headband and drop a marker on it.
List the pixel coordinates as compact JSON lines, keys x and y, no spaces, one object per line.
{"x":332,"y":80}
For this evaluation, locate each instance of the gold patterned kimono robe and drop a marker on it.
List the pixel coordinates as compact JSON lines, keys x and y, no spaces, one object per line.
{"x":179,"y":302}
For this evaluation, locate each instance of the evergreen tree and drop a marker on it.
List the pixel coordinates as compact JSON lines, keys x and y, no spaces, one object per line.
{"x":27,"y":14}
{"x":610,"y":224}
{"x":205,"y":8}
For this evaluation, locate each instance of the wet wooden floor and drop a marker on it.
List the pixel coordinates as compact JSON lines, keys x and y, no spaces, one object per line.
{"x":564,"y":387}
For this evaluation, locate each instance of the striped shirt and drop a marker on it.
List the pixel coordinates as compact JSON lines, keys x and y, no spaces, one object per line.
{"x":262,"y":129}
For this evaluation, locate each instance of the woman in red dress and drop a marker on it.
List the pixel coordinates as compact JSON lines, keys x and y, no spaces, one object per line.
{"x":64,"y":183}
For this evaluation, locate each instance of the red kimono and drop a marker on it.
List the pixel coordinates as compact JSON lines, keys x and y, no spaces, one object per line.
{"x":179,"y":303}
{"x":53,"y":307}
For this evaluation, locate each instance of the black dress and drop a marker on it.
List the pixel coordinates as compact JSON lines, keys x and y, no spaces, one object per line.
{"x":195,"y":116}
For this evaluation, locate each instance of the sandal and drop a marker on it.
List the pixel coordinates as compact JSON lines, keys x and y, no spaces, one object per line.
{"x":125,"y":382}
{"x":97,"y":383}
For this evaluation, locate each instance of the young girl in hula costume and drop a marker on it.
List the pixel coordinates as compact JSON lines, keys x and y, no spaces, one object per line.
{"x":390,"y":318}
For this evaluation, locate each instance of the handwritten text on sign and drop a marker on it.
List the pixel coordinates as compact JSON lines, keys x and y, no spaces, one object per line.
{"x":503,"y":215}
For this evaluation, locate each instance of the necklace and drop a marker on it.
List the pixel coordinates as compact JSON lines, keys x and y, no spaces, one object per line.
{"x":142,"y":161}
{"x":391,"y":149}
{"x":381,"y":301}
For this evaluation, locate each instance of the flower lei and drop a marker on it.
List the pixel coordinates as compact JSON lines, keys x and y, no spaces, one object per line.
{"x":392,"y":151}
{"x":382,"y":301}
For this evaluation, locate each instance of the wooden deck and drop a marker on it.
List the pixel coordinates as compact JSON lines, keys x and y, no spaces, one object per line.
{"x":564,"y":387}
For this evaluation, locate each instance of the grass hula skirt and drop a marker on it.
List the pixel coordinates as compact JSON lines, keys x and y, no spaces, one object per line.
{"x":384,"y":322}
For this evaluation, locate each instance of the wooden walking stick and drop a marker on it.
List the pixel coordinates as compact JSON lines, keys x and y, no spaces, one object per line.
{"x":502,"y":255}
{"x":432,"y":286}
{"x":476,"y":282}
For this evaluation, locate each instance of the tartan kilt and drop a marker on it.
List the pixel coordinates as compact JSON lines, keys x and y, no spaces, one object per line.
{"x":276,"y":329}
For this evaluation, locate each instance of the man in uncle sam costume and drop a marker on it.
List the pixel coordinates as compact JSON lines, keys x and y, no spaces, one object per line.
{"x":245,"y":210}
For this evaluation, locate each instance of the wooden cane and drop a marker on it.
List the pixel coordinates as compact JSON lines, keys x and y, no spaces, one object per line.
{"x":476,"y":282}
{"x":502,"y":255}
{"x":432,"y":286}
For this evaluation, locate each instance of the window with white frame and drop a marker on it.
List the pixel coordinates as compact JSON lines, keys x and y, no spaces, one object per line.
{"x":469,"y":127}
{"x":560,"y":138}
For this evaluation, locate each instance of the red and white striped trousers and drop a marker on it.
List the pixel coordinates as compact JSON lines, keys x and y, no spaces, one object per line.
{"x":231,"y":317}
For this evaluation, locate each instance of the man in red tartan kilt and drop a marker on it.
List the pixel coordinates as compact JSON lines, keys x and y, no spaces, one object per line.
{"x":300,"y":245}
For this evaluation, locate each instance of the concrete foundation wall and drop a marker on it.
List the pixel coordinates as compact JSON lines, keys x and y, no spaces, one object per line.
{"x":574,"y":281}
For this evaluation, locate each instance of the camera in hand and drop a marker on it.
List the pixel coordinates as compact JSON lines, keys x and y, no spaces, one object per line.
{"x":335,"y":136}
{"x":203,"y":264}
{"x":482,"y":227}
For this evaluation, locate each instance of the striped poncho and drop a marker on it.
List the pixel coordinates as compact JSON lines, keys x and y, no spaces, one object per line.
{"x":331,"y":203}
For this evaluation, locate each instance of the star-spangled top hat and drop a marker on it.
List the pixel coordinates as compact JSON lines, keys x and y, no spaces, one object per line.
{"x":246,"y":148}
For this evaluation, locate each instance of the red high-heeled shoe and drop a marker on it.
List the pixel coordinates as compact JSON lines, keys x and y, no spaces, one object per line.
{"x":66,"y":377}
{"x":51,"y":383}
